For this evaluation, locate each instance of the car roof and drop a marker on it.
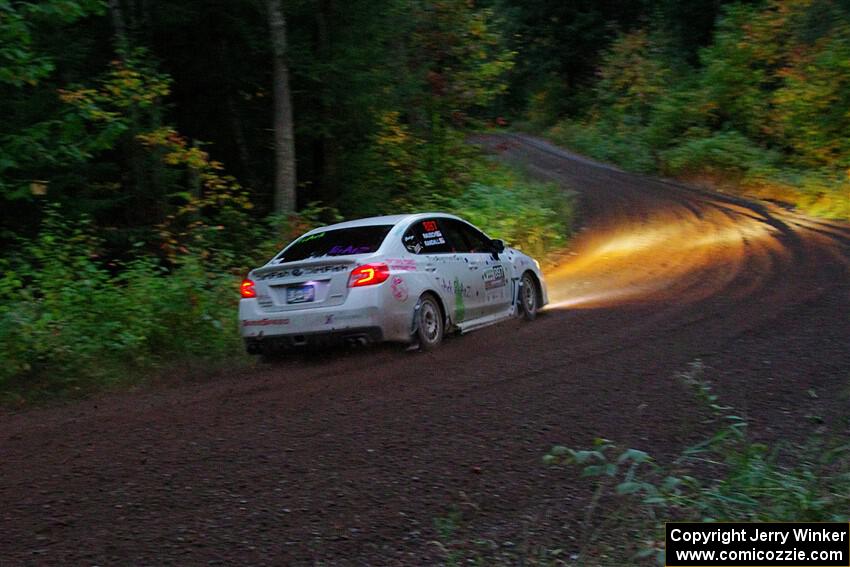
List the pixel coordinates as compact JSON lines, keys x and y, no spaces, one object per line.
{"x":383,"y":220}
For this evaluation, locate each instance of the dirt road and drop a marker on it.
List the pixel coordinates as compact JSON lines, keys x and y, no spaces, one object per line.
{"x":350,"y":460}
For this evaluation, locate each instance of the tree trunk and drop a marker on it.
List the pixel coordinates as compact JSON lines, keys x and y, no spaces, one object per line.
{"x":284,"y":138}
{"x":234,"y":115}
{"x":119,"y":23}
{"x":327,"y":145}
{"x":241,"y":142}
{"x":134,"y":177}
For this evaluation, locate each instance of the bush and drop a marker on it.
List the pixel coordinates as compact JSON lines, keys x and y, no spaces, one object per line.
{"x":727,"y":153}
{"x":546,"y":103}
{"x":624,"y":146}
{"x":728,"y":477}
{"x":72,"y":320}
{"x":408,"y":174}
{"x":768,"y":94}
{"x":399,"y":170}
{"x":68,"y":319}
{"x":533,"y":217}
{"x":821,"y":193}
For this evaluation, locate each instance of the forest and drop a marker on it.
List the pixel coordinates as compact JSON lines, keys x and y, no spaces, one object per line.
{"x":152,"y":152}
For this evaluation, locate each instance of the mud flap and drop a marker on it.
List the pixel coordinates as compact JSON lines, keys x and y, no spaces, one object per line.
{"x":516,"y":289}
{"x":414,"y":327}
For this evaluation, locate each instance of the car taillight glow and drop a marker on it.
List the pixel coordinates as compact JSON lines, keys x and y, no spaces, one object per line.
{"x":247,"y":289}
{"x":370,"y":274}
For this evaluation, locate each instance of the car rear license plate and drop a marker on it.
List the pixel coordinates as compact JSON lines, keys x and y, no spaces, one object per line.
{"x":300,"y":294}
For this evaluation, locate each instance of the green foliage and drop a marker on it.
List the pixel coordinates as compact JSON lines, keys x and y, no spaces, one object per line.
{"x":727,"y":477}
{"x":534,"y":217}
{"x":631,"y":77}
{"x":821,"y":193}
{"x":736,"y":72}
{"x":67,"y":319}
{"x":766,"y":102}
{"x":603,"y":140}
{"x":91,"y":136}
{"x":33,"y":139}
{"x":20,"y":61}
{"x":545,"y":103}
{"x":359,"y":69}
{"x":559,"y":44}
{"x":407,"y":174}
{"x":128,"y":96}
{"x":726,"y":154}
{"x":381,"y":91}
{"x":394,"y":172}
{"x":681,"y":113}
{"x":455,"y":65}
{"x":632,"y":80}
{"x":461,"y":54}
{"x":70,"y":319}
{"x":403,"y":171}
{"x":813,"y":104}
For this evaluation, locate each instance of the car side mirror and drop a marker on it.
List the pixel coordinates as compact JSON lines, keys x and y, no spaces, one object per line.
{"x":498,"y":246}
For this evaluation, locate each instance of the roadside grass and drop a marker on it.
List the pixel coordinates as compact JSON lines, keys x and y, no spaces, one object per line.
{"x":537,"y":218}
{"x":76,"y":320}
{"x":604,"y":142}
{"x":727,"y":477}
{"x":725,"y":161}
{"x":458,"y":547}
{"x":405,"y":174}
{"x":72,"y":321}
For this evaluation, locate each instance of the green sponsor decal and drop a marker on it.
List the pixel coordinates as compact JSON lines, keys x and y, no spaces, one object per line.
{"x":460,"y":306}
{"x":310,"y":237}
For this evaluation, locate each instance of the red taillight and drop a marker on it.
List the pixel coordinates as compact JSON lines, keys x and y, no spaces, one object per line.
{"x":247,"y":289}
{"x":370,"y":274}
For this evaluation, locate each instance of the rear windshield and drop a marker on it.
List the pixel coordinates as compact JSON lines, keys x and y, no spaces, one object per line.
{"x":339,"y":242}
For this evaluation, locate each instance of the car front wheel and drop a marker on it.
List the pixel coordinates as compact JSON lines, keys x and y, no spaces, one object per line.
{"x":528,"y":304}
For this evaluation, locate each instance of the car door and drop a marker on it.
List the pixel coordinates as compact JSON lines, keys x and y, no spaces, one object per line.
{"x":443,"y":263}
{"x":469,"y":285}
{"x":493,"y":273}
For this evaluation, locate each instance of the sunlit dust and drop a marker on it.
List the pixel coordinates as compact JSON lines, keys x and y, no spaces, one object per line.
{"x":670,"y":256}
{"x":599,"y":299}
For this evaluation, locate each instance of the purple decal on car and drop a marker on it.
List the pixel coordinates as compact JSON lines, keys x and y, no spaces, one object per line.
{"x":399,"y":289}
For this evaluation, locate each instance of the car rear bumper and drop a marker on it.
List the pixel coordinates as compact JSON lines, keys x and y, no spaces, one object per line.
{"x":256,"y":324}
{"x":276,"y":343}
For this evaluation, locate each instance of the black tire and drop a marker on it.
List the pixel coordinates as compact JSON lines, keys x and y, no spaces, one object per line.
{"x":529,"y":298}
{"x":429,"y":326}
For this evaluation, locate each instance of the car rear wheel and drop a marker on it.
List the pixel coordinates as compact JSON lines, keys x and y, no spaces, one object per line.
{"x":528,"y":303}
{"x":429,"y":328}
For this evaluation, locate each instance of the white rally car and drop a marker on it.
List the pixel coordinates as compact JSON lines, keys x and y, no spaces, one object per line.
{"x":404,"y":278}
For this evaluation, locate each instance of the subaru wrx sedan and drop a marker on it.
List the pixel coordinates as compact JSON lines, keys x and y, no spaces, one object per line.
{"x":404,"y":278}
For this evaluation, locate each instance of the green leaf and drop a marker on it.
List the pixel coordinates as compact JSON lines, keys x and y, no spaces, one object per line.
{"x":630,"y":487}
{"x":634,"y":455}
